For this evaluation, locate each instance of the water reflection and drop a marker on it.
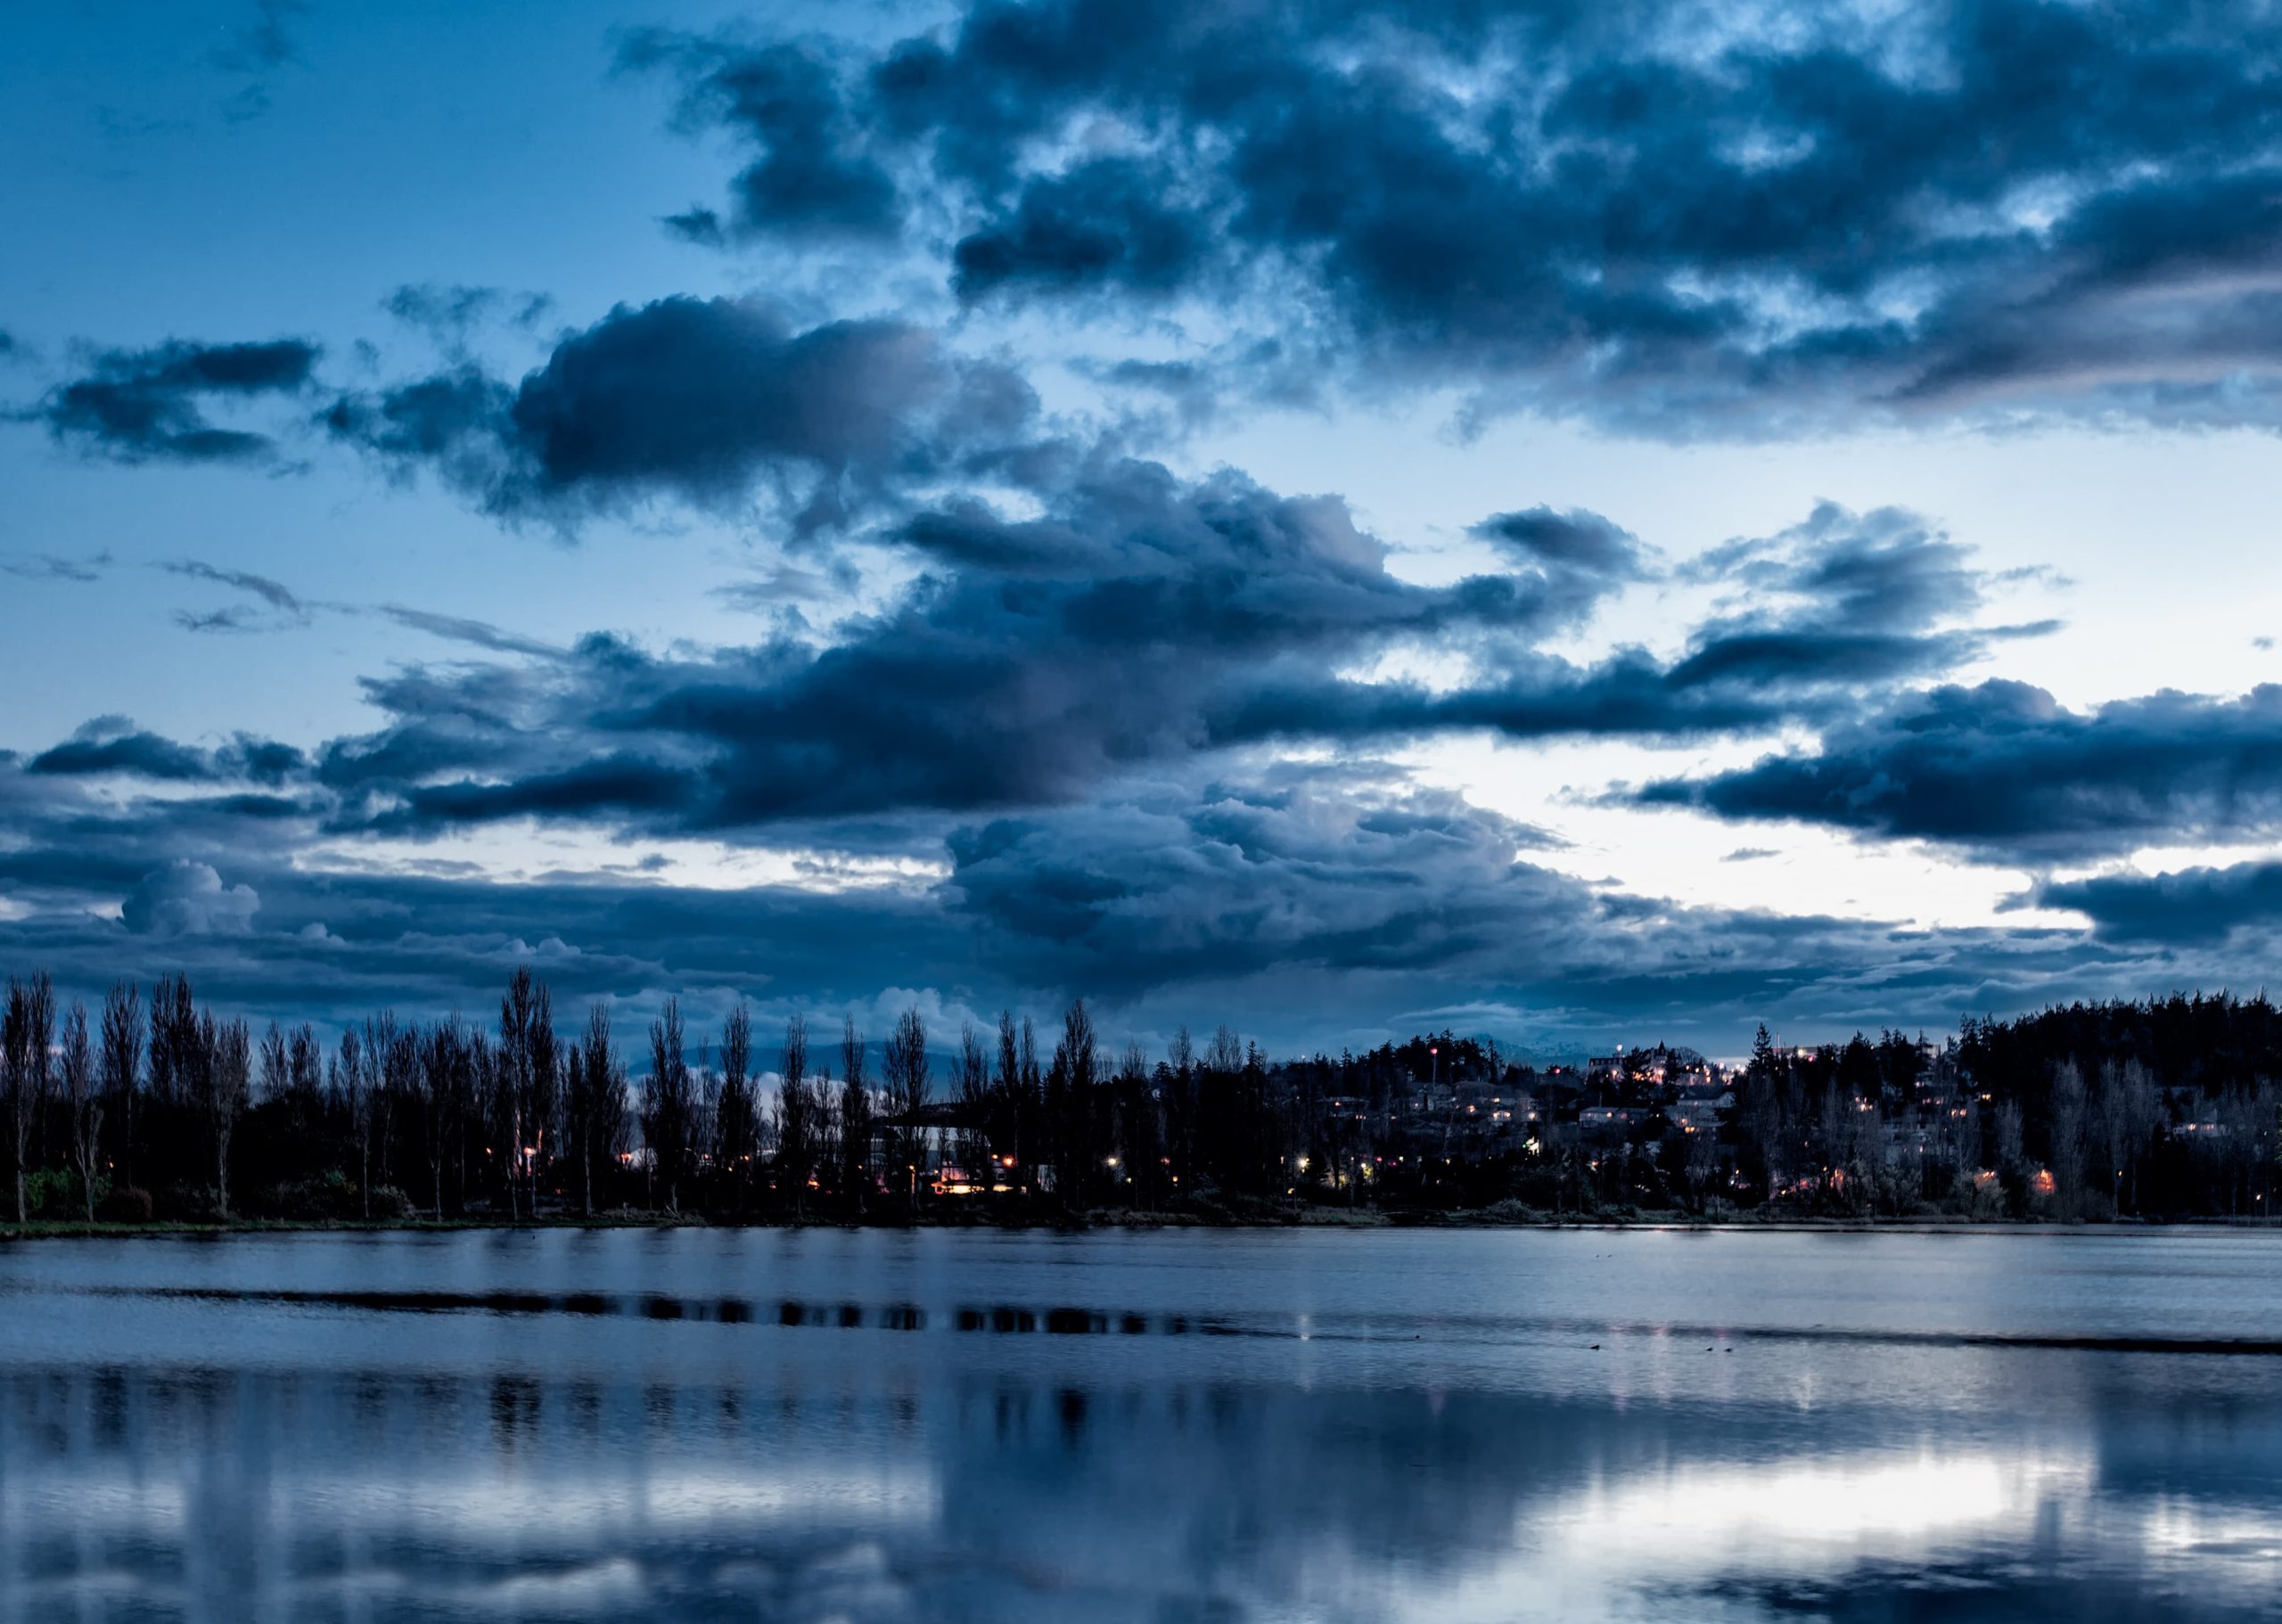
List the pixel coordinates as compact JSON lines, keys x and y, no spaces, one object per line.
{"x":310,"y":1459}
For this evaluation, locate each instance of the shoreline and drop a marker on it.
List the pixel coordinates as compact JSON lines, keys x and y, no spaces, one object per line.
{"x":1103,"y":1221}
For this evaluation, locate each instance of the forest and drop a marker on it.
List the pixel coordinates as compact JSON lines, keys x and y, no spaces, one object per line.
{"x":165,"y":1109}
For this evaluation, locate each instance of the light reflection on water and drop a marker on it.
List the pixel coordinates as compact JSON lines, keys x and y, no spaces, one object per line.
{"x":1256,"y":1426}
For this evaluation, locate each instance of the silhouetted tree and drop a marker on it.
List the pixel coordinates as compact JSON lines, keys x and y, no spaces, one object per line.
{"x":122,"y":1064}
{"x":666,"y":1103}
{"x":738,"y":1122}
{"x":856,"y":1123}
{"x":228,"y":1073}
{"x":78,"y":1057}
{"x":596,"y":1105}
{"x":974,"y":1100}
{"x":796,"y":1124}
{"x":907,"y":1076}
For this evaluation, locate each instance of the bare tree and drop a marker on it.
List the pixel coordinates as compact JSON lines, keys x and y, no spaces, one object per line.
{"x":42,"y":1065}
{"x":353,"y":1092}
{"x":122,"y":1064}
{"x":1071,"y":1082}
{"x":596,"y":1102}
{"x":905,"y":1066}
{"x":442,"y":1053}
{"x":16,"y":1071}
{"x":392,"y":1065}
{"x":228,"y":1067}
{"x":26,"y":1031}
{"x":176,"y":1076}
{"x":856,"y":1115}
{"x":2068,"y":1127}
{"x":86,"y":1102}
{"x":512,"y":1098}
{"x":974,"y":1098}
{"x":796,"y":1126}
{"x":274,"y":1065}
{"x":737,"y":1123}
{"x":666,"y":1101}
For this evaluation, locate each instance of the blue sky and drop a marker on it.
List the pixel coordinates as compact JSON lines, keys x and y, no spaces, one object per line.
{"x":1574,"y":522}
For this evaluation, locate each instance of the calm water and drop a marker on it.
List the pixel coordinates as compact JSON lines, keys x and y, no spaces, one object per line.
{"x":703,"y":1424}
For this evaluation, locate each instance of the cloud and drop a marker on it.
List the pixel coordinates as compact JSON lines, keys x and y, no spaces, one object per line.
{"x":1670,"y":221}
{"x":113,"y":744}
{"x":702,"y":400}
{"x":51,"y":567}
{"x":1577,"y":541}
{"x":188,"y":899}
{"x":153,"y":405}
{"x":2193,"y":906}
{"x":276,"y":594}
{"x":1342,"y":868}
{"x":1139,"y":619}
{"x":1103,"y":227}
{"x":1310,"y":905}
{"x":2003,"y":773}
{"x":263,"y":43}
{"x":459,"y":628}
{"x":809,"y":175}
{"x":449,"y":313}
{"x":253,"y":52}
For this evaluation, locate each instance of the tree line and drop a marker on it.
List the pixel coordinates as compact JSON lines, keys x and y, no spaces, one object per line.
{"x":168,"y":1108}
{"x":165,"y":1107}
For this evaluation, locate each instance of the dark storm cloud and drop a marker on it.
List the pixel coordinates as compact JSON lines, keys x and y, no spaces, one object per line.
{"x":2005,"y":772}
{"x":113,"y":744}
{"x":153,"y":405}
{"x":700,"y":399}
{"x":1842,"y":597}
{"x":2193,"y":907}
{"x":1833,"y":606}
{"x":1102,"y":225}
{"x":188,"y":899}
{"x":229,"y":889}
{"x":1676,"y":220}
{"x":810,"y":174}
{"x":1139,"y":620}
{"x":1269,"y":899}
{"x":1304,"y":869}
{"x":1135,"y":622}
{"x":1576,"y":540}
{"x":1364,"y":890}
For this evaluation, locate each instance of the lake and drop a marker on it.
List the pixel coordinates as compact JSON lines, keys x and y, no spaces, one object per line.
{"x":1248,"y":1425}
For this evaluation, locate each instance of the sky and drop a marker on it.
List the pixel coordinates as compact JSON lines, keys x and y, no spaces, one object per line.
{"x":1577,"y":523}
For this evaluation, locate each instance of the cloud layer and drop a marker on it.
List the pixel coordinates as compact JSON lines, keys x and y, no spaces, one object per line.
{"x":1672,"y":220}
{"x":2002,"y":772}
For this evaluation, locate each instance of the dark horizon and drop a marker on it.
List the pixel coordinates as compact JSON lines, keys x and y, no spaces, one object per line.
{"x":2165,"y":1109}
